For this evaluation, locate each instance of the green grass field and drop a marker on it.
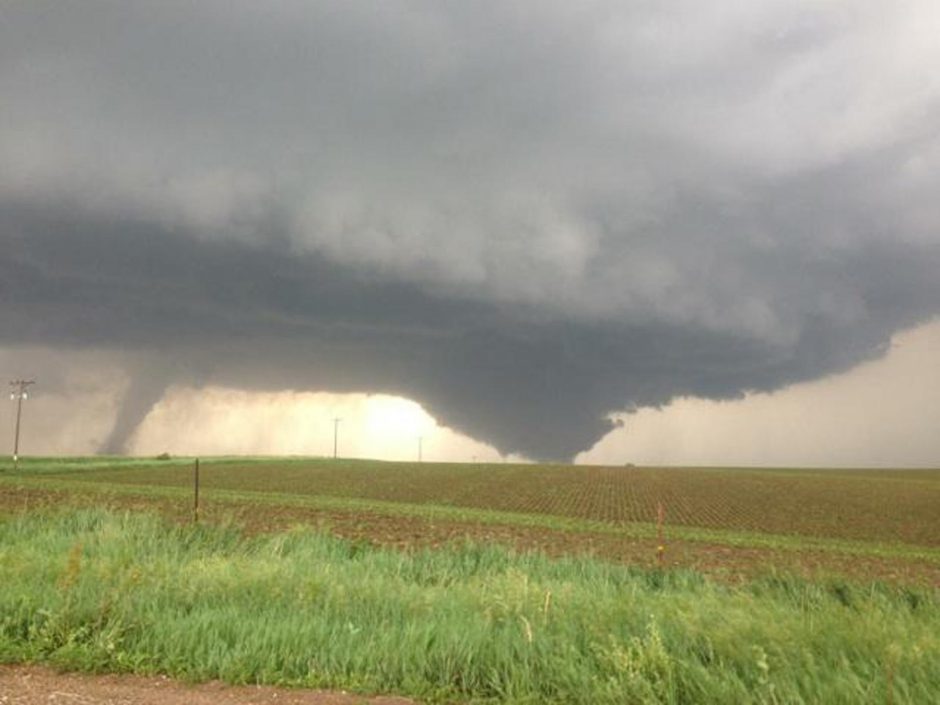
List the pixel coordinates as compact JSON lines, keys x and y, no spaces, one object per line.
{"x":480,"y":583}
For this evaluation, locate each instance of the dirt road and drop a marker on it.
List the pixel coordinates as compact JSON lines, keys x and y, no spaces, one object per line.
{"x":32,"y":685}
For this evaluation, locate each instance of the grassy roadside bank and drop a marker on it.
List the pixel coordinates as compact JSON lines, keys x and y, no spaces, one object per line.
{"x":107,"y":591}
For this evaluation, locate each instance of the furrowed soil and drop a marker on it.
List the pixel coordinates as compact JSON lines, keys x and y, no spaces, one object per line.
{"x":34,"y":685}
{"x":865,"y":505}
{"x":720,"y":560}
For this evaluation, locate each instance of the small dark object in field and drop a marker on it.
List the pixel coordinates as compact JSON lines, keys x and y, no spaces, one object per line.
{"x":163,"y":456}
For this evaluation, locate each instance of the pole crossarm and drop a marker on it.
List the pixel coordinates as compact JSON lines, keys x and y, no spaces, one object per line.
{"x":20,"y":387}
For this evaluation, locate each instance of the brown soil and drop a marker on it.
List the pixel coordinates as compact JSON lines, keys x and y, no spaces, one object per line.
{"x":721,"y":561}
{"x":33,"y":685}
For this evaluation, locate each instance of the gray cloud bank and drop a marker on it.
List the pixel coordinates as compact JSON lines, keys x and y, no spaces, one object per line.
{"x":524,"y":216}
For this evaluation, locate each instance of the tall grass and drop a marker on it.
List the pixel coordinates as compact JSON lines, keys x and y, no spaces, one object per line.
{"x":104,"y":591}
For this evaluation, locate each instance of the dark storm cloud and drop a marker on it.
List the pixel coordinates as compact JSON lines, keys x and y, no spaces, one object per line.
{"x":523,"y":216}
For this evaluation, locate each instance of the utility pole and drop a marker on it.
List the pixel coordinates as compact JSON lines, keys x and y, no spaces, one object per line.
{"x":18,"y":394}
{"x":335,"y":435}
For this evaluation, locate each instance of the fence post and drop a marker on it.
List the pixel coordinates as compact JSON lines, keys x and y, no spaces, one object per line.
{"x":660,"y":539}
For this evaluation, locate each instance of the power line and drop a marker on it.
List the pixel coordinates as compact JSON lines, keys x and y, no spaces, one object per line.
{"x":19,"y":394}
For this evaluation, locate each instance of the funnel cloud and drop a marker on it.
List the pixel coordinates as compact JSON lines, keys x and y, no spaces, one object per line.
{"x":527,"y":216}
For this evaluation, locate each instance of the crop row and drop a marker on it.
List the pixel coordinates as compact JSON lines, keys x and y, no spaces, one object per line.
{"x":851,"y":505}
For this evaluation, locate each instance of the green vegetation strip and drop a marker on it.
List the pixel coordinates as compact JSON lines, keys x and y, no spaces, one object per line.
{"x":106,"y":591}
{"x":634,"y":530}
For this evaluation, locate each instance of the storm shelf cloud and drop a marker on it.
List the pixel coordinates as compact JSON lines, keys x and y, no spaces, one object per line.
{"x":526,"y":216}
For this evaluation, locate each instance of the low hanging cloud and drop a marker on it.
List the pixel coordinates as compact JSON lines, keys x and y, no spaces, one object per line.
{"x":524,"y":216}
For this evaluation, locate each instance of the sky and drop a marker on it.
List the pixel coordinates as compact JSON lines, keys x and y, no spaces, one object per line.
{"x":543,"y":230}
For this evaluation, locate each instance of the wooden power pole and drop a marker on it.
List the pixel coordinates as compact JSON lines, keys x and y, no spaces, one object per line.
{"x":19,"y":394}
